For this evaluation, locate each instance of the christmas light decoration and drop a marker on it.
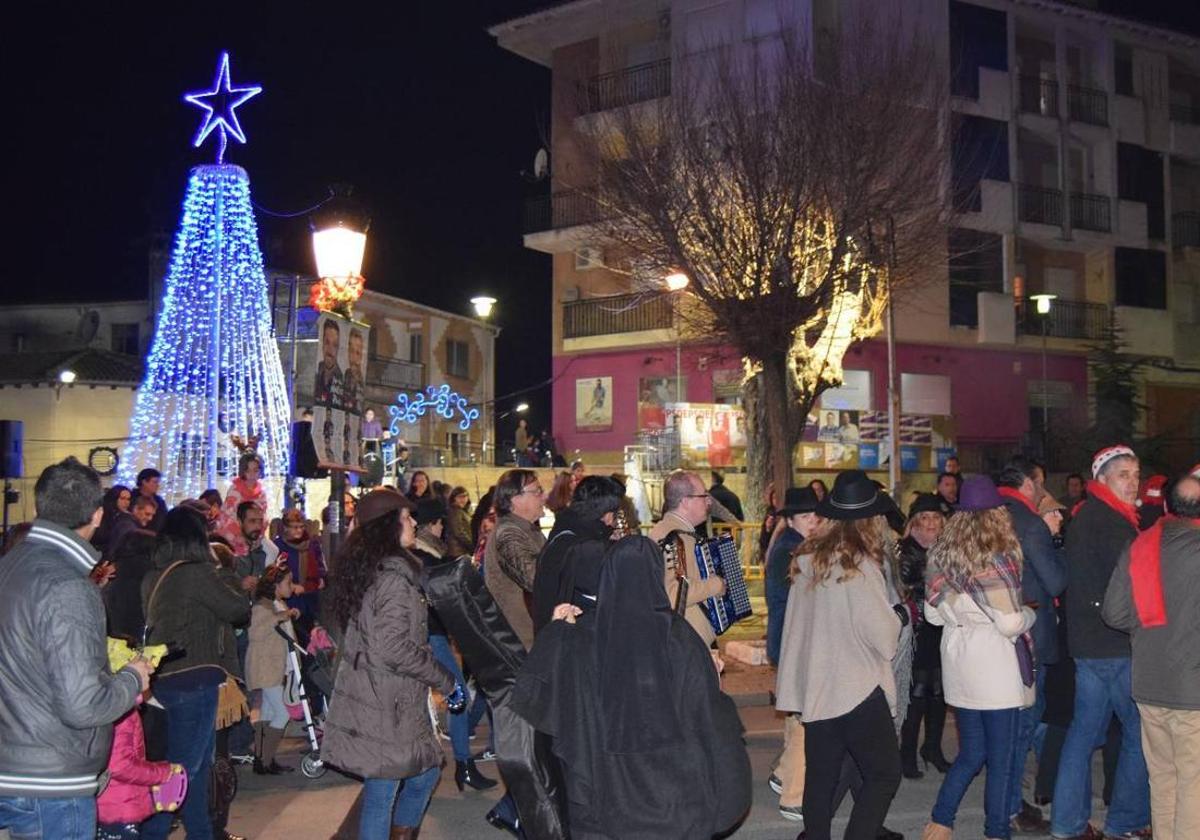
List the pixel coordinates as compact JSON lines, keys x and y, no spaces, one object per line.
{"x":337,"y":295}
{"x":213,"y":373}
{"x":226,"y":97}
{"x":441,"y":400}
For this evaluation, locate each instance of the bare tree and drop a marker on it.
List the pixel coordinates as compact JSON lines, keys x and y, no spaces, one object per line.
{"x":796,"y":189}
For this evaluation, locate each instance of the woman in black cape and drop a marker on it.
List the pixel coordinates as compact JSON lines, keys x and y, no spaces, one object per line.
{"x":648,"y":745}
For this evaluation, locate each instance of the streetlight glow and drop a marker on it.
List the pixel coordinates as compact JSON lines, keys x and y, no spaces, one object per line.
{"x":1043,"y":302}
{"x":676,"y":281}
{"x":339,"y":251}
{"x":483,"y":305}
{"x":521,"y":408}
{"x":66,"y":377}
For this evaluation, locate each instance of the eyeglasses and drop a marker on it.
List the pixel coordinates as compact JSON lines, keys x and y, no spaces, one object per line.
{"x":696,"y":496}
{"x":534,"y":491}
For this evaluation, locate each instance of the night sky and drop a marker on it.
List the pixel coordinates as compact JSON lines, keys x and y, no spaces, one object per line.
{"x":414,"y":105}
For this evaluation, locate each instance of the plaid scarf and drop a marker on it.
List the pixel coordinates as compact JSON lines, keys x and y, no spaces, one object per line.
{"x":998,"y":587}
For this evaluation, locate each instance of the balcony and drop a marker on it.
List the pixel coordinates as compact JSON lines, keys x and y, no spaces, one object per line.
{"x":629,"y":86}
{"x":1087,"y":105}
{"x":1066,"y":319}
{"x":1185,"y":113}
{"x":1091,"y":212}
{"x":561,"y":210}
{"x":1038,"y":95}
{"x":1185,"y":229}
{"x":1041,"y":205}
{"x":616,"y":314}
{"x":395,"y":374}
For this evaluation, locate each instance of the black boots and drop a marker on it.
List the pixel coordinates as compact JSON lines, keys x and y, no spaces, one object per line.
{"x":504,"y":816}
{"x":935,"y":724}
{"x":908,"y":738}
{"x":467,"y":774}
{"x":266,"y":743}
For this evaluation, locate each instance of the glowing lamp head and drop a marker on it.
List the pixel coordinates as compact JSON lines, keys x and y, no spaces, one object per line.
{"x":483,"y":305}
{"x":339,"y":229}
{"x":676,"y":281}
{"x":1043,"y":302}
{"x":521,"y":408}
{"x":66,"y":377}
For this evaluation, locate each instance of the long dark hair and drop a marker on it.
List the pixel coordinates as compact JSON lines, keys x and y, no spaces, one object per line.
{"x":481,"y":513}
{"x":358,"y":563}
{"x":184,"y":537}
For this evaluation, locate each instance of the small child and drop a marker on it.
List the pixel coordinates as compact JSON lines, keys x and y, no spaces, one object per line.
{"x":266,"y":664}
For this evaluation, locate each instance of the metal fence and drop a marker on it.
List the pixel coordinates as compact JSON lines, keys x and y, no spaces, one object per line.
{"x":1066,"y":319}
{"x":628,"y":86}
{"x":1088,"y":105}
{"x":616,"y":314}
{"x":561,"y":210}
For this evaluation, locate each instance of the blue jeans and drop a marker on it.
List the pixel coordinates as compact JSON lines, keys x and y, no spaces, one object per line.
{"x":35,"y":818}
{"x":1026,"y":730}
{"x":776,"y":610}
{"x":382,"y":808}
{"x":191,"y":738}
{"x":984,"y":737}
{"x":460,"y":726}
{"x":1103,"y":687}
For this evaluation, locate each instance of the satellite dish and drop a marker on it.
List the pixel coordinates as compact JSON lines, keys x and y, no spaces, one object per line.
{"x":541,"y":164}
{"x":85,"y":330}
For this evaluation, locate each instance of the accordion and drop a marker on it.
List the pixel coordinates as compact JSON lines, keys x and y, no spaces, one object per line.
{"x":719,"y":556}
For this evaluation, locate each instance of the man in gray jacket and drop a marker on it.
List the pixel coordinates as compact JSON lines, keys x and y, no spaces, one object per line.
{"x":58,"y":699}
{"x":1154,"y":594}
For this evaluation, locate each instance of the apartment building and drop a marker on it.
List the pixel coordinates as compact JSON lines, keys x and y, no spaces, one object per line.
{"x":1077,"y":146}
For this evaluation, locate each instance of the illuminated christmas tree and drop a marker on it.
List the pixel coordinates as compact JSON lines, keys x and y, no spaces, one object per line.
{"x":213,"y":378}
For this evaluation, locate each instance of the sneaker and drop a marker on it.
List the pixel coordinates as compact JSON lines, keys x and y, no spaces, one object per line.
{"x":1140,"y":834}
{"x":791,"y":812}
{"x":485,"y":755}
{"x":776,"y":784}
{"x":241,"y":758}
{"x":1029,"y":824}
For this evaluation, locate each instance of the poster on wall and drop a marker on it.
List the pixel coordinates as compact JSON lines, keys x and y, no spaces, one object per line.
{"x":838,"y":426}
{"x":710,"y":434}
{"x":593,"y":404}
{"x":840,"y":439}
{"x":339,"y":390}
{"x":654,"y":392}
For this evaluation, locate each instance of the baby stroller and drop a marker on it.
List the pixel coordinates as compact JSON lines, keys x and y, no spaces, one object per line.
{"x":316,"y":674}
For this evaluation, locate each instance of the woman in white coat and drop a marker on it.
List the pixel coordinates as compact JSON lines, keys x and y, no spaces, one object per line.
{"x":974,"y":592}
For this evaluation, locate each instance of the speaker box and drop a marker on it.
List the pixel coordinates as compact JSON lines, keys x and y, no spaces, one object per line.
{"x":304,"y":453}
{"x":12,"y":436}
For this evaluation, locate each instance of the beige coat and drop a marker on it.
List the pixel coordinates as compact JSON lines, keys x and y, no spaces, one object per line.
{"x":509,"y":566}
{"x":698,"y":590}
{"x":266,"y":653}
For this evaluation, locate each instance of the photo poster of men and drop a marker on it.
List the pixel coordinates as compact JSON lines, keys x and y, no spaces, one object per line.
{"x":654,"y":394}
{"x":339,"y":390}
{"x":593,"y":404}
{"x":710,"y":434}
{"x":840,"y":439}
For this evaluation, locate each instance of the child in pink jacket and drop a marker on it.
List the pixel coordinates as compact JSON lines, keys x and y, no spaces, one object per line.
{"x":126,"y":800}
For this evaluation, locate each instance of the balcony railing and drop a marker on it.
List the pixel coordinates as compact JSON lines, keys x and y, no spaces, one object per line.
{"x":1091,"y":212}
{"x":640,"y":83}
{"x":1038,"y":95}
{"x":1066,"y":319}
{"x":1087,"y":105}
{"x":562,"y":210}
{"x":1185,"y":229}
{"x":1039,"y":204}
{"x":395,"y":374}
{"x":616,"y":314}
{"x":1183,"y":112}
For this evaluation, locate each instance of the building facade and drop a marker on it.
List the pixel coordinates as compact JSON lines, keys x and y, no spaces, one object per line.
{"x":1078,"y":150}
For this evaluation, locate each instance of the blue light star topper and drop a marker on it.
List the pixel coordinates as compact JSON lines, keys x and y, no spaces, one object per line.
{"x":219,"y":106}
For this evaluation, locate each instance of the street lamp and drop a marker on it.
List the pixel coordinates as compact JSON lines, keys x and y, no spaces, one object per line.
{"x":676,"y":282}
{"x":1044,"y":302}
{"x":483,"y":305}
{"x":66,"y":377}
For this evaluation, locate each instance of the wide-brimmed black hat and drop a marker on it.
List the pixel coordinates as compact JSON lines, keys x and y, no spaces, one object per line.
{"x":799,"y":500}
{"x":929,"y":503}
{"x":854,"y":496}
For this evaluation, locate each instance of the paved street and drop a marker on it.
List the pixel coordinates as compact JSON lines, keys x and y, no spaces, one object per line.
{"x":290,"y":807}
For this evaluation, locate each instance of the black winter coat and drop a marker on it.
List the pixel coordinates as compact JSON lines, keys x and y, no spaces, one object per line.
{"x":928,"y":655}
{"x":1098,"y":536}
{"x":569,"y":566}
{"x":1043,"y":576}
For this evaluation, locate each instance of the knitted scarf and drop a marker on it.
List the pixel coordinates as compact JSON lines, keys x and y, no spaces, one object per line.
{"x":1145,"y":572}
{"x":1100,"y":492}
{"x":997,"y":587}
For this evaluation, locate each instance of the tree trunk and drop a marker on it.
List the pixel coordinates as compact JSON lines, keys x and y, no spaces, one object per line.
{"x":774,"y":425}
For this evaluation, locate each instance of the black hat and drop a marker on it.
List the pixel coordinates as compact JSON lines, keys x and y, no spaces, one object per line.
{"x":854,"y":496}
{"x":799,"y":500}
{"x":929,"y":503}
{"x":430,"y":510}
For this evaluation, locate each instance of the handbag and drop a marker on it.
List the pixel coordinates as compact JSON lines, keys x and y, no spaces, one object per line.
{"x":1025,"y":660}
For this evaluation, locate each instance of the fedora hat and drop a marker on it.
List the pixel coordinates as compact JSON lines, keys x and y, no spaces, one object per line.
{"x":799,"y":500}
{"x":854,"y":496}
{"x":380,"y":502}
{"x":929,"y":503}
{"x":979,"y":493}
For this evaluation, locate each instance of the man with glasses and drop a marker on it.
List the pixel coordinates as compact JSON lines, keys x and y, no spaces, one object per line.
{"x":686,"y":504}
{"x":510,"y":559}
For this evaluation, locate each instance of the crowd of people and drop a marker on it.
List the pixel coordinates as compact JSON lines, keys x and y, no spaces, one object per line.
{"x":1045,"y":627}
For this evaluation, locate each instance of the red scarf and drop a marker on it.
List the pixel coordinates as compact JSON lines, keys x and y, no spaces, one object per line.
{"x":1145,"y":572}
{"x":1100,"y":492}
{"x":1014,"y":493}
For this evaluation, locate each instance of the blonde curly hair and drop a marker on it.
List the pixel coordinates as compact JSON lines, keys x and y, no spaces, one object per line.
{"x":843,"y":543}
{"x":970,"y":541}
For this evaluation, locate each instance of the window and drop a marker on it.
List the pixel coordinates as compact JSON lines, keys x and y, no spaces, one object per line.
{"x":978,"y":38}
{"x":125,"y":338}
{"x":980,"y":151}
{"x":976,"y":265}
{"x":1141,"y":278}
{"x":458,"y":359}
{"x":414,"y":348}
{"x":1123,"y":69}
{"x":1140,"y":178}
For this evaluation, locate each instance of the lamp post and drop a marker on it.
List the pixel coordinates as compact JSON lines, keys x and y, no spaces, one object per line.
{"x":484,"y":305}
{"x":676,"y":282}
{"x":1044,"y":302}
{"x":339,"y":234}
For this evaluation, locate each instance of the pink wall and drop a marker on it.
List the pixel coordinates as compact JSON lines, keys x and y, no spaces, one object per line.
{"x":988,"y":387}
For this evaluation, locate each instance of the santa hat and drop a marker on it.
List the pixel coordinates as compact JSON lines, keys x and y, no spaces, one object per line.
{"x":1152,"y":490}
{"x":1107,"y":454}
